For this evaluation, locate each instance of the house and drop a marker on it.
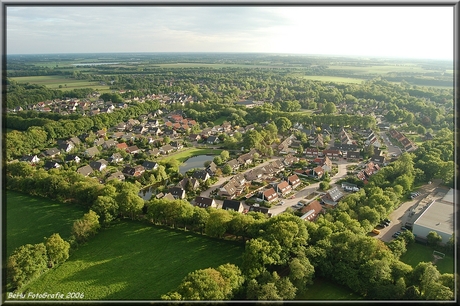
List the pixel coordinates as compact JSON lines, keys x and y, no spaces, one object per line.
{"x":211,"y":168}
{"x":155,"y":131}
{"x":193,"y":183}
{"x":233,"y":205}
{"x":116,"y":176}
{"x":311,"y":152}
{"x":133,"y":149}
{"x":150,"y":165}
{"x":289,"y":160}
{"x":85,"y":170}
{"x":135,"y":171}
{"x":194,"y":137}
{"x":270,"y":195}
{"x":212,"y":140}
{"x":294,"y":181}
{"x":72,"y":158}
{"x":115,"y":158}
{"x":51,"y":152}
{"x":378,"y":159}
{"x":66,"y":146}
{"x":154,"y":152}
{"x":234,"y":164}
{"x":334,"y":154}
{"x":166,"y":149}
{"x":101,"y":133}
{"x":228,"y":190}
{"x":75,"y":140}
{"x":51,"y":165}
{"x":278,"y":165}
{"x":283,"y":188}
{"x":318,"y":172}
{"x":204,"y":202}
{"x":109,"y":144}
{"x":353,"y":155}
{"x":264,"y":210}
{"x":345,"y":147}
{"x":176,"y":145}
{"x":332,"y":196}
{"x":99,"y":165}
{"x":91,"y":152}
{"x":255,"y":174}
{"x":169,"y":197}
{"x":311,"y":211}
{"x":99,"y":141}
{"x":201,"y":175}
{"x":177,"y":192}
{"x":30,"y":159}
{"x":318,"y":141}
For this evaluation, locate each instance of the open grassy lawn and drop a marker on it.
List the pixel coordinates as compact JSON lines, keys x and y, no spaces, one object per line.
{"x":220,"y":120}
{"x":323,"y":289}
{"x":53,"y":82}
{"x":30,"y":219}
{"x":335,"y":79}
{"x":134,"y":261}
{"x":190,"y":152}
{"x":417,"y":252}
{"x":380,"y":69}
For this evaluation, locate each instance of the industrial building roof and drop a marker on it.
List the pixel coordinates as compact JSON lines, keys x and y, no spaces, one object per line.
{"x":439,"y":216}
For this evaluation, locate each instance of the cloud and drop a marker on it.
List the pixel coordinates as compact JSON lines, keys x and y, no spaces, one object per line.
{"x":299,"y":29}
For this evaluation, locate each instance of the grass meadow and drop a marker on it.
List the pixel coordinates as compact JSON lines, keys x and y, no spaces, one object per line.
{"x":335,"y":79}
{"x":187,"y":153}
{"x":135,"y":261}
{"x":323,"y":289}
{"x":53,"y":82}
{"x":30,"y":219}
{"x":417,"y":252}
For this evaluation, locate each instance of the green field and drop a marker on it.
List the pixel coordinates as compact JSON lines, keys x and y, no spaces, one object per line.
{"x":417,"y":252}
{"x":187,"y":153}
{"x":220,"y":120}
{"x":134,"y":261}
{"x":335,"y":79}
{"x":323,"y":289}
{"x":30,"y":219}
{"x":380,"y":69}
{"x":53,"y":82}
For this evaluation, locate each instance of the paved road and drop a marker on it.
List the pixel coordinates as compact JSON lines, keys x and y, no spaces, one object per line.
{"x":342,"y":171}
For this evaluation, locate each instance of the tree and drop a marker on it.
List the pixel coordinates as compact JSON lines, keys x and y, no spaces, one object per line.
{"x":217,"y":223}
{"x":433,"y":238}
{"x":324,"y":185}
{"x":225,"y":155}
{"x":227,"y":169}
{"x":129,"y":200}
{"x":26,"y":263}
{"x":283,"y":124}
{"x":86,"y":227}
{"x":57,"y":249}
{"x":107,"y":208}
{"x":329,"y":108}
{"x":218,"y":160}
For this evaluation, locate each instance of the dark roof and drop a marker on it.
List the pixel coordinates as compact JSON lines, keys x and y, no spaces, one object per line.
{"x":203,"y":202}
{"x":201,"y":174}
{"x":149,"y":165}
{"x":177,"y":192}
{"x":231,"y":205}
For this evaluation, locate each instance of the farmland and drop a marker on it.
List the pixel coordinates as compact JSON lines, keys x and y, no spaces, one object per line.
{"x":30,"y":219}
{"x":134,"y":261}
{"x":54,"y":81}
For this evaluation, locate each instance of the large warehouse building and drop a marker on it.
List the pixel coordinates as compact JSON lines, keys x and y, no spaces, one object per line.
{"x":439,"y":217}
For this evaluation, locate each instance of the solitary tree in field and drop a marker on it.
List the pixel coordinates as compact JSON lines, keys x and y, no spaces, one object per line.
{"x":86,"y":227}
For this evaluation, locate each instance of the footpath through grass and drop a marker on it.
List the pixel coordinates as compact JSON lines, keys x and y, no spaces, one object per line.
{"x":30,"y":219}
{"x":135,"y":261}
{"x":417,"y":253}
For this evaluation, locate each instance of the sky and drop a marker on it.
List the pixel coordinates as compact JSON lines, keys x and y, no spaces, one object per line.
{"x":378,"y":31}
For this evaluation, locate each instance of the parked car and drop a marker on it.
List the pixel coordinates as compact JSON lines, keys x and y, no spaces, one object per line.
{"x":387,"y":220}
{"x":376,"y":231}
{"x":383,"y":224}
{"x":403,"y":229}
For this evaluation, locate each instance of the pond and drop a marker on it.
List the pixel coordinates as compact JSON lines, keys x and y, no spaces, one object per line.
{"x":195,"y":162}
{"x":147,"y":193}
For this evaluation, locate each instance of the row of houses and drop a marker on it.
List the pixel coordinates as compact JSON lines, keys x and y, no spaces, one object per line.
{"x":403,"y":140}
